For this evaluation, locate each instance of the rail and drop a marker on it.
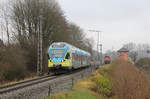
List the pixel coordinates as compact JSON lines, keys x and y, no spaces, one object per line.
{"x":8,"y":88}
{"x":45,"y":85}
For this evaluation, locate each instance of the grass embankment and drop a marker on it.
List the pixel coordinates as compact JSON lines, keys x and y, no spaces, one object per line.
{"x":119,"y":80}
{"x":96,"y":86}
{"x":81,"y":90}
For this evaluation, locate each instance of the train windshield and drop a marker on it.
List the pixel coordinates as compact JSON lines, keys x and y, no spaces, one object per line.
{"x":57,"y":53}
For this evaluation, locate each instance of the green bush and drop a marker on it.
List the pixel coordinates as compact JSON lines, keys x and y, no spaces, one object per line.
{"x":103,"y":85}
{"x":103,"y":71}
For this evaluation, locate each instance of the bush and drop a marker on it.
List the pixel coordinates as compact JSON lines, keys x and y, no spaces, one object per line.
{"x":103,"y":85}
{"x":128,"y":82}
{"x":15,"y":73}
{"x":143,"y":63}
{"x":104,"y":71}
{"x":12,"y":63}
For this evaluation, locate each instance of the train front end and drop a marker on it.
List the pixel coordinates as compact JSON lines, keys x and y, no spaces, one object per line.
{"x":59,"y":57}
{"x":107,"y":60}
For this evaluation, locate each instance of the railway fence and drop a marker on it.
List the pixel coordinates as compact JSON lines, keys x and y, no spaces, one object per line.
{"x":48,"y":87}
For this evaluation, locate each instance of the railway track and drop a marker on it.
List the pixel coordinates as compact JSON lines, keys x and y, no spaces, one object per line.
{"x":19,"y":85}
{"x":26,"y":83}
{"x":44,"y":86}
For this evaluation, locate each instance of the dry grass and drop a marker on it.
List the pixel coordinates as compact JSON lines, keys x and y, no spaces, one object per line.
{"x":86,"y":84}
{"x":129,"y":82}
{"x":146,"y":72}
{"x":16,"y":81}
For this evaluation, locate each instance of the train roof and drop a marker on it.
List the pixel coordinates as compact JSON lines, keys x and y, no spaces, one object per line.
{"x":73,"y":48}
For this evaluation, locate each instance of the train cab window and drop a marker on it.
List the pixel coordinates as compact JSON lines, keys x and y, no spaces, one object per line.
{"x":67,"y":56}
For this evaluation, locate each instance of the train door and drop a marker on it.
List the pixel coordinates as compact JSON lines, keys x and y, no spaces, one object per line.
{"x":68,"y":57}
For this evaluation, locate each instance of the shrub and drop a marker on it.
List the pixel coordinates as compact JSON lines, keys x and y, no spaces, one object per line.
{"x":103,"y":85}
{"x":128,"y":82}
{"x":143,"y":63}
{"x":12,"y":63}
{"x":104,"y":71}
{"x":15,"y":73}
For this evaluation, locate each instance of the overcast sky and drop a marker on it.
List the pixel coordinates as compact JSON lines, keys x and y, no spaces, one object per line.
{"x":121,"y":21}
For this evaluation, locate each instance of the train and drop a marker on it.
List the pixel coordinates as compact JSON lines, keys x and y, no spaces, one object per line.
{"x":107,"y":60}
{"x":65,"y":57}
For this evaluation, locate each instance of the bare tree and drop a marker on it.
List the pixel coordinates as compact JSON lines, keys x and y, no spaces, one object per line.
{"x":130,"y":46}
{"x":2,"y":30}
{"x":137,"y":51}
{"x":76,"y":35}
{"x":5,"y":15}
{"x":33,"y":17}
{"x":1,"y":43}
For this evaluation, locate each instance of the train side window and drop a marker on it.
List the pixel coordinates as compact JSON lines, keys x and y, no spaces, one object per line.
{"x":67,"y":56}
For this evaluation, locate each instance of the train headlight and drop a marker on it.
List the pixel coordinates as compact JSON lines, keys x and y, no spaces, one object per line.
{"x":62,"y":60}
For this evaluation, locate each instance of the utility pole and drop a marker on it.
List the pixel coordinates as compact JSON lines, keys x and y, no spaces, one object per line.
{"x":38,"y":54}
{"x":98,"y":44}
{"x":40,"y":50}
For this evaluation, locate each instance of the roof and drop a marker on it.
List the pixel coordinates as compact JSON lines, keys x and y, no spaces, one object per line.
{"x":73,"y":48}
{"x":123,"y":50}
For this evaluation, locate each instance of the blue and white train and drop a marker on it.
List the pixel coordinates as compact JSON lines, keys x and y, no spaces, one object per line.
{"x":63,"y":56}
